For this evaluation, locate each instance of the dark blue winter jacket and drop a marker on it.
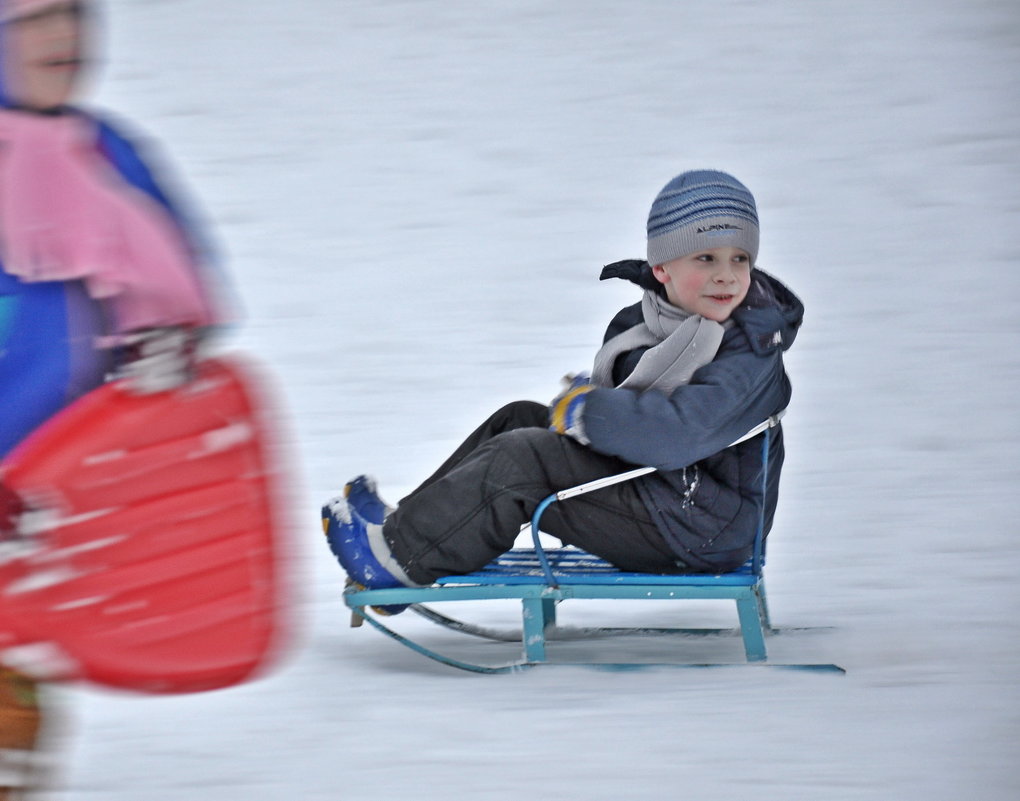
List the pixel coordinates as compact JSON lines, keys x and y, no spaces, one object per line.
{"x":705,"y":497}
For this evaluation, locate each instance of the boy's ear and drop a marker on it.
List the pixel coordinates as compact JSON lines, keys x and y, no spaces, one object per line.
{"x":660,"y":274}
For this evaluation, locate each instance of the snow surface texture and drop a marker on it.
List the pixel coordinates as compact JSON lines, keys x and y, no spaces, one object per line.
{"x":415,"y":199}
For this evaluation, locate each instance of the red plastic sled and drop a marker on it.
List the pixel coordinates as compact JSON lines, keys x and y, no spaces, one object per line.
{"x":150,"y":561}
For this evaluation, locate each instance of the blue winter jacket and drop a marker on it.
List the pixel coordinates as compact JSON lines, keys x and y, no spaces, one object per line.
{"x":705,"y":497}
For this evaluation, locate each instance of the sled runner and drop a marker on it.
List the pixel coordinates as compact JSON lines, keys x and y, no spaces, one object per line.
{"x":148,"y":559}
{"x":542,"y":578}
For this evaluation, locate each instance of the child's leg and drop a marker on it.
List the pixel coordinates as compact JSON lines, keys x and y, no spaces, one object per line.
{"x":353,"y":522}
{"x":461,"y":520}
{"x":20,"y":720}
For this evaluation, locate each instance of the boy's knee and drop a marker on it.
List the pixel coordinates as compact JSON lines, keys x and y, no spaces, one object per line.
{"x":522,"y":414}
{"x":524,"y":449}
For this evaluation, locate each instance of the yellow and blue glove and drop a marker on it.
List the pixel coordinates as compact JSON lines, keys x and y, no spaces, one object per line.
{"x":566,"y":412}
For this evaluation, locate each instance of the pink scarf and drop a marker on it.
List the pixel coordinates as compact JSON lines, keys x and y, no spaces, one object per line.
{"x":67,"y":214}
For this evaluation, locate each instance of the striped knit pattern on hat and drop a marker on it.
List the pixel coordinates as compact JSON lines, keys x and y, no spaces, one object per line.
{"x":700,"y":210}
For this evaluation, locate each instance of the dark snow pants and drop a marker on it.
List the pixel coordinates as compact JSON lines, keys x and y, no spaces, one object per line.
{"x":472,"y":508}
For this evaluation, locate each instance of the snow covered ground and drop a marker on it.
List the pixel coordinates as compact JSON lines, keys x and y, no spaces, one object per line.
{"x":415,"y":198}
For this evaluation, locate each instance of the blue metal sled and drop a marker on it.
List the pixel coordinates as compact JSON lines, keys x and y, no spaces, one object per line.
{"x":542,"y":578}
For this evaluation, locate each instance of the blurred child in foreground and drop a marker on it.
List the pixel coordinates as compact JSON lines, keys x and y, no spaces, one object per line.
{"x":100,"y":272}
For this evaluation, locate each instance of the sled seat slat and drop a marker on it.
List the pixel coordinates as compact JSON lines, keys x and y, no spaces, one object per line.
{"x":574,"y":566}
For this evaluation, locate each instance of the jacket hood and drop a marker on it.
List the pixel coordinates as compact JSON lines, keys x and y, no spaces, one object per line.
{"x":13,"y":8}
{"x":770,"y":315}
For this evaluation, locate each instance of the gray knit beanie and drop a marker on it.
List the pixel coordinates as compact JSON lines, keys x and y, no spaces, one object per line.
{"x":698,"y":210}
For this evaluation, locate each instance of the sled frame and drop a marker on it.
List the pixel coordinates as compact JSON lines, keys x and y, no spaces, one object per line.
{"x":542,"y":578}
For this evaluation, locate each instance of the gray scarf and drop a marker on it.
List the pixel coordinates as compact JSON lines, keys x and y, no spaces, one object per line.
{"x":678,"y":344}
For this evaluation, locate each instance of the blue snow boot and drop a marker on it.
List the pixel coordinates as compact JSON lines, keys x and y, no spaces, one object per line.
{"x":363,"y":495}
{"x":347,"y":534}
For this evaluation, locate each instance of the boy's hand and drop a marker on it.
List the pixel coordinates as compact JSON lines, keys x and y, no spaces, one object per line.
{"x":573,"y":380}
{"x":11,"y":508}
{"x":566,"y":412}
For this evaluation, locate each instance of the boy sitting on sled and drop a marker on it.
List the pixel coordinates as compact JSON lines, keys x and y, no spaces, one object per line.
{"x":680,"y":375}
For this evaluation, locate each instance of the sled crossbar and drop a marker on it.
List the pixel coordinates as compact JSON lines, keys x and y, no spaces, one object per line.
{"x":542,"y":578}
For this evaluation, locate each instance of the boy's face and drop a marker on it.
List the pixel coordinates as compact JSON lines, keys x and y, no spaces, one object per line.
{"x":711,"y":283}
{"x":42,"y":56}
